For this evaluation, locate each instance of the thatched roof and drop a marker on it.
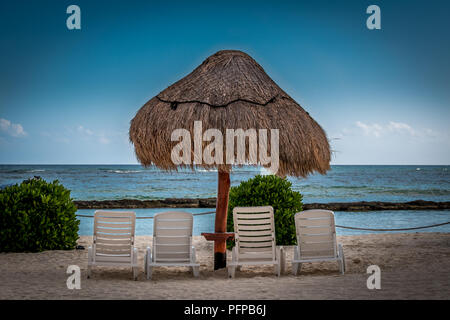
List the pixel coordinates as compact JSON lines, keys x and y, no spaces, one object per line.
{"x":230,"y":90}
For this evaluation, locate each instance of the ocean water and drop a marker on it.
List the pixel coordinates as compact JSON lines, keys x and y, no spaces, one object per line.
{"x":368,"y":219}
{"x":340,"y":184}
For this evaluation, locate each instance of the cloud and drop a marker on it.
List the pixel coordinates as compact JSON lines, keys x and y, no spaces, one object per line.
{"x":398,"y":128}
{"x":12,"y":129}
{"x":401,"y":128}
{"x":56,"y":137}
{"x":390,"y":142}
{"x":89,"y":134}
{"x":103,"y":140}
{"x":80,"y":133}
{"x":85,"y":131}
{"x":374,"y":129}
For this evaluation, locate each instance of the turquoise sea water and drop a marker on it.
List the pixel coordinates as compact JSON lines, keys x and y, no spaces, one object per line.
{"x":340,"y":184}
{"x":368,"y":219}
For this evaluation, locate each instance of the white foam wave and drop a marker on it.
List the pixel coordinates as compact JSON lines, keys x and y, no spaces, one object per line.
{"x":124,"y":171}
{"x":206,"y":170}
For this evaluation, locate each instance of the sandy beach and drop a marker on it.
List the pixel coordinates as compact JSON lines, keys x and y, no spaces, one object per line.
{"x":413,"y":266}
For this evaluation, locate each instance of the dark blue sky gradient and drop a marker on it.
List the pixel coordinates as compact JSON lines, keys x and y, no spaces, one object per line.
{"x":381,"y":95}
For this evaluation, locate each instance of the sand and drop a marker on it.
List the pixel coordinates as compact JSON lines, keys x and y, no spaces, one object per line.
{"x":413,"y":266}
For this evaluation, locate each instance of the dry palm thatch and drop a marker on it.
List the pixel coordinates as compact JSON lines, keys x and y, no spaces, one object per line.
{"x":229,"y":90}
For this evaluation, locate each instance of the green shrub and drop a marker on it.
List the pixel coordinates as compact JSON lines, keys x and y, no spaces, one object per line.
{"x":36,"y":216}
{"x":272,"y":191}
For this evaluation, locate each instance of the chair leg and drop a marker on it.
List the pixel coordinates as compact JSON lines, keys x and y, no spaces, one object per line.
{"x":135,"y":260}
{"x":149,"y":272}
{"x":145,"y":265}
{"x":277,"y":267}
{"x":296,"y":266}
{"x":135,"y":272}
{"x":341,"y":260}
{"x":147,"y":259}
{"x":195,"y":271}
{"x":231,"y":271}
{"x":89,"y":273}
{"x":343,"y":264}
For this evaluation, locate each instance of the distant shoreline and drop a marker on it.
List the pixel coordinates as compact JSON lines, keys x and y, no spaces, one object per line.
{"x":211,"y":203}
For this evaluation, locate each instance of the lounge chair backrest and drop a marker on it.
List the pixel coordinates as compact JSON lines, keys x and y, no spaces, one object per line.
{"x":316,"y":233}
{"x":172,"y":236}
{"x":114,"y":232}
{"x":254,"y":232}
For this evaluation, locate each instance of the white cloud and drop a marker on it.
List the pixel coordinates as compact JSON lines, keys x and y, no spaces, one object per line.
{"x":401,"y":127}
{"x":84,"y":130}
{"x":56,"y":137}
{"x":431,"y":133}
{"x":4,"y":124}
{"x":83,"y":134}
{"x":103,"y":140}
{"x":390,"y":142}
{"x":370,"y":129}
{"x":12,"y":129}
{"x":397,"y":128}
{"x":89,"y":134}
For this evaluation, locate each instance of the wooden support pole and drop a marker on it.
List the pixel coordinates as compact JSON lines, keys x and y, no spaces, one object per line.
{"x":220,"y":247}
{"x":220,"y":235}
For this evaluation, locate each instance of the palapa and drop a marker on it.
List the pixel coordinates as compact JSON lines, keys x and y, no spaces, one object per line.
{"x":229,"y":90}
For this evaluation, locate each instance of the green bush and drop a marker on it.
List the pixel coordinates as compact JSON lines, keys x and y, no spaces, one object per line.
{"x":272,"y":191}
{"x":36,"y":216}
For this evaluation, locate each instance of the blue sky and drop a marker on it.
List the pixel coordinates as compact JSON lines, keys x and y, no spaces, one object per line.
{"x":67,"y":96}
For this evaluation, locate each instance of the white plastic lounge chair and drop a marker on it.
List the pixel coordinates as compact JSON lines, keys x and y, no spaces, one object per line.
{"x":255,"y":240}
{"x":172,"y":242}
{"x":113,"y":243}
{"x":316,"y":239}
